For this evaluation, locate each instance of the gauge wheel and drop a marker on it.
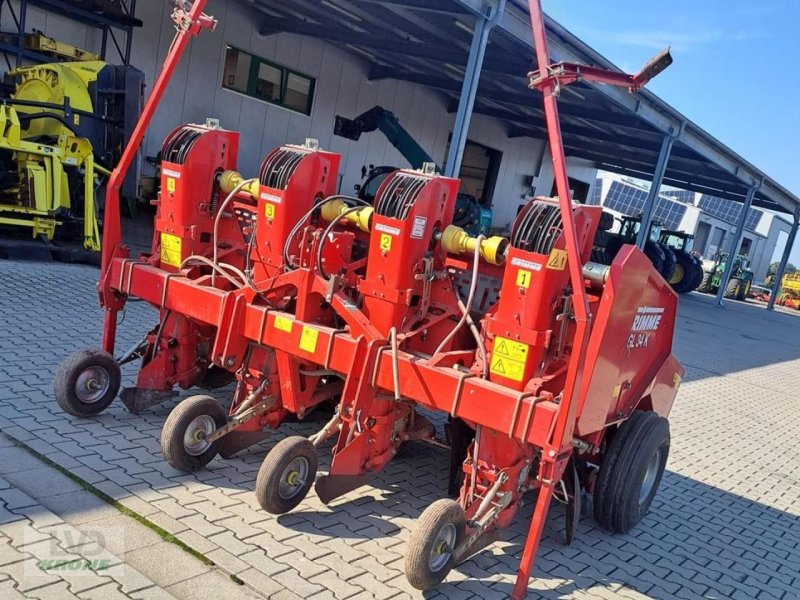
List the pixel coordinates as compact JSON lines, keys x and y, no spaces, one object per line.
{"x":184,"y":436}
{"x":286,"y":475}
{"x":430,"y":554}
{"x":86,"y":382}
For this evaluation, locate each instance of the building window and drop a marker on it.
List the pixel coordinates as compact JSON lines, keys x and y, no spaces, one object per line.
{"x":259,"y":78}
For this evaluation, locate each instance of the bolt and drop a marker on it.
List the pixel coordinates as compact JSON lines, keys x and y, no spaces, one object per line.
{"x":229,"y":361}
{"x":552,"y":454}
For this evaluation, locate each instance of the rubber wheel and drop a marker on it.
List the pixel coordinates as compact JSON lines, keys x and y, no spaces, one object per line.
{"x":631,"y":471}
{"x":656,"y":255}
{"x":86,"y":382}
{"x":670,"y":261}
{"x":685,"y":273}
{"x":698,"y":273}
{"x":182,"y":437}
{"x":744,"y":289}
{"x":429,"y":554}
{"x":286,"y":475}
{"x":704,"y":282}
{"x":734,"y":286}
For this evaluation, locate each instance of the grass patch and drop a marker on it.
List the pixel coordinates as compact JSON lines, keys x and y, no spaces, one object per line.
{"x":236,"y":579}
{"x":162,"y":533}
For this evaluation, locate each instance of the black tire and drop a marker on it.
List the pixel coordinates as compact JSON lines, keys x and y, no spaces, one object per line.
{"x":698,"y":272}
{"x":631,"y":471}
{"x":656,"y":255}
{"x":705,"y":282}
{"x":441,"y":527}
{"x":744,"y":289}
{"x":86,"y":382}
{"x":670,"y":262}
{"x":277,"y":489}
{"x":182,"y":440}
{"x":684,"y":274}
{"x":734,"y":286}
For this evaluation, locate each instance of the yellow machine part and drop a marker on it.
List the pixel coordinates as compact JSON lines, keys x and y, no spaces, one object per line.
{"x":791,"y":283}
{"x":53,"y":83}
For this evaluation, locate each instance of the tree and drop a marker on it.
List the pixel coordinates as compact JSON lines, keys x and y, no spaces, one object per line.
{"x":773,"y":268}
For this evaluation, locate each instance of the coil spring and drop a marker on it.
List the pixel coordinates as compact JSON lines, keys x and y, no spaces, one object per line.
{"x":399,"y":196}
{"x":537,"y":228}
{"x":279,"y":166}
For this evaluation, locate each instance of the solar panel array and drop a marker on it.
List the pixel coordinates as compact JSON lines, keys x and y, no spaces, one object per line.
{"x":629,"y":200}
{"x":729,"y":211}
{"x":681,"y":195}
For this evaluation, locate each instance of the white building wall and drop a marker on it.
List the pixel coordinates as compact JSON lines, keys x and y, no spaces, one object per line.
{"x":342,"y":88}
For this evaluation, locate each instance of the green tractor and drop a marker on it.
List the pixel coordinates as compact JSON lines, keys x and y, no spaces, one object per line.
{"x":741,"y":276}
{"x":688,"y":273}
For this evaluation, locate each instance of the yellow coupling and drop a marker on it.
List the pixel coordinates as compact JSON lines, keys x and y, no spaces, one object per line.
{"x":457,"y":241}
{"x":336,"y":209}
{"x":228,"y":180}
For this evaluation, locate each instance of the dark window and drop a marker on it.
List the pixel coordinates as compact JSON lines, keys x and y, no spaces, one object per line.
{"x":267,"y":81}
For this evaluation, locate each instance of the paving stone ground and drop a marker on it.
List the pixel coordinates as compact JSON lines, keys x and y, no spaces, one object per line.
{"x":725,"y":523}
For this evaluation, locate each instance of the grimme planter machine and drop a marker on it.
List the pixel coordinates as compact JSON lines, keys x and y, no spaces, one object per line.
{"x":562,"y":368}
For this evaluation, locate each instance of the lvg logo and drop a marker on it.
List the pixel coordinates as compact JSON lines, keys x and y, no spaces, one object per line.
{"x":645,"y":324}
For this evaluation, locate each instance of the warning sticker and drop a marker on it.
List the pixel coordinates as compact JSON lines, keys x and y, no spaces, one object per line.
{"x":557,"y":259}
{"x":523,"y":278}
{"x":283,"y":324}
{"x":386,"y":242}
{"x":171,"y":185}
{"x":170,"y":249}
{"x":418,"y":228}
{"x":308,"y":339}
{"x":509,"y":358}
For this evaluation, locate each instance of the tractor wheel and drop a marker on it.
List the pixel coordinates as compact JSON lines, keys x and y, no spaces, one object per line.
{"x":631,"y":471}
{"x":734,"y":286}
{"x":286,"y":475}
{"x":656,"y":255}
{"x":670,"y":262}
{"x":705,"y":283}
{"x":430,"y":554}
{"x":183,"y":437}
{"x":698,"y":273}
{"x":684,"y":274}
{"x":86,"y":382}
{"x":744,"y":290}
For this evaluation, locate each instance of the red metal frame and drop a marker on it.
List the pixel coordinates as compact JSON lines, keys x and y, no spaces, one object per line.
{"x":377,"y":305}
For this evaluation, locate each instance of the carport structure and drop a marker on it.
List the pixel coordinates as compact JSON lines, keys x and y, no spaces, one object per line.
{"x":477,"y":53}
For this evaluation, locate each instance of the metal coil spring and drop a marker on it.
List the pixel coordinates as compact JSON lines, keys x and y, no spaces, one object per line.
{"x":399,"y":196}
{"x":177,"y":147}
{"x":279,"y":166}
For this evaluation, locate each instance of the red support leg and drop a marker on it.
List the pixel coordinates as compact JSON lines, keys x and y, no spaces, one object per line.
{"x":532,"y":541}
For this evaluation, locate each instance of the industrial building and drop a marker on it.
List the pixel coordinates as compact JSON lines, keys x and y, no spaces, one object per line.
{"x":280,"y":72}
{"x":711,"y":220}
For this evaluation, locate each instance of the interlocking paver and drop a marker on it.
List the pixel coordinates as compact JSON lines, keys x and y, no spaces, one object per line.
{"x":728,"y":505}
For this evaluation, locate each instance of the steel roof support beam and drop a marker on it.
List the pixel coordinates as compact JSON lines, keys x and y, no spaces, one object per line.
{"x":776,"y":286}
{"x":655,"y":187}
{"x":469,"y":88}
{"x":737,"y":241}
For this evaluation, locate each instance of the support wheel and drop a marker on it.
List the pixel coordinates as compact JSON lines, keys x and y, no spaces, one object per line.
{"x":286,"y":475}
{"x":631,"y":471}
{"x":431,"y":549}
{"x":183,"y":437}
{"x":86,"y":382}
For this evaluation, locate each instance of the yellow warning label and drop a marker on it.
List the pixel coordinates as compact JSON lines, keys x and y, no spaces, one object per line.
{"x":676,"y":380}
{"x":76,"y":119}
{"x":508,"y":368}
{"x":509,"y":358}
{"x":523,"y":278}
{"x":171,"y":185}
{"x":557,"y":259}
{"x":308,"y":339}
{"x":510,"y":349}
{"x":269,"y":210}
{"x":170,"y":249}
{"x":283,"y":324}
{"x":386,"y":242}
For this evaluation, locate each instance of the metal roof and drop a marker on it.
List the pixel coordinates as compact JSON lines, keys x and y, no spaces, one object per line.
{"x":427,"y":42}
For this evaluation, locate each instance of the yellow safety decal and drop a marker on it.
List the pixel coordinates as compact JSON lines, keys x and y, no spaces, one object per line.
{"x":523,"y":278}
{"x":171,"y":185}
{"x":509,"y":358}
{"x":386,"y":242}
{"x":557,"y":260}
{"x":76,"y":119}
{"x":170,"y":249}
{"x":308,"y":339}
{"x":676,"y":380}
{"x":283,"y":324}
{"x":269,"y":210}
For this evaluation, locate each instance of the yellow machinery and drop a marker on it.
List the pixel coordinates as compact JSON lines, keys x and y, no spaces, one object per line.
{"x":60,"y":122}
